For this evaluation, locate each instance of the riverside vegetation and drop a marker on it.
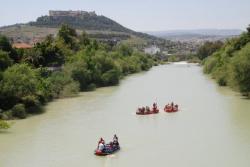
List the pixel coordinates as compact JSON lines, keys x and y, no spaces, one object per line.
{"x":229,"y":63}
{"x":60,"y":67}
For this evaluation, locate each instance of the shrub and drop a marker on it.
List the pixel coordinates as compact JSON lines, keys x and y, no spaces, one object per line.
{"x":19,"y":111}
{"x":91,"y":87}
{"x":70,"y":90}
{"x":32,"y":104}
{"x":4,"y":125}
{"x":5,"y":60}
{"x":241,"y":69}
{"x":57,"y":82}
{"x":111,"y":78}
{"x":6,"y":115}
{"x":19,"y":81}
{"x":210,"y":64}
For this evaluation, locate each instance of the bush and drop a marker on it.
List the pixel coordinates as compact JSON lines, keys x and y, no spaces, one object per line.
{"x":5,"y":60}
{"x":173,"y":58}
{"x":19,"y":80}
{"x":32,"y":104}
{"x":111,"y":78}
{"x":70,"y":90}
{"x":208,"y":48}
{"x":209,"y":65}
{"x":60,"y":83}
{"x":4,"y":125}
{"x":79,"y":72}
{"x":241,"y":69}
{"x":91,"y":87}
{"x":19,"y":111}
{"x":221,"y":75}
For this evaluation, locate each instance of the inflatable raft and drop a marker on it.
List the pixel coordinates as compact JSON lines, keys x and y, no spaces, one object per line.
{"x":108,"y":150}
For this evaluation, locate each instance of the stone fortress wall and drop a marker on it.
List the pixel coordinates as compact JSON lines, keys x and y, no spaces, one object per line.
{"x":58,"y":13}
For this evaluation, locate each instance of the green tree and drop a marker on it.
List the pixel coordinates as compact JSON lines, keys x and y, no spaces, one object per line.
{"x":230,"y":64}
{"x":241,"y":69}
{"x":79,"y":72}
{"x":83,"y":39}
{"x":248,"y":29}
{"x":208,"y":48}
{"x":125,"y":50}
{"x":50,"y":53}
{"x":33,"y":57}
{"x":18,"y":82}
{"x":6,"y":46}
{"x":58,"y":82}
{"x":68,"y":36}
{"x":111,"y":77}
{"x":5,"y":60}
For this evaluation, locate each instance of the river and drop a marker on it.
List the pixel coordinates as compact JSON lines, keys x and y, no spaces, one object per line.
{"x":212,"y":128}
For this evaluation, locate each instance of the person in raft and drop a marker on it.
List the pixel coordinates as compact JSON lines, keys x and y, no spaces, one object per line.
{"x":115,"y":140}
{"x":172,"y":105}
{"x":143,"y":110}
{"x":101,"y":146}
{"x":101,"y":141}
{"x":147,"y":109}
{"x":176,"y":107}
{"x":155,"y":107}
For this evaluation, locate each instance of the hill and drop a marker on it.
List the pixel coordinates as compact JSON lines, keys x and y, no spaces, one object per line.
{"x":97,"y":26}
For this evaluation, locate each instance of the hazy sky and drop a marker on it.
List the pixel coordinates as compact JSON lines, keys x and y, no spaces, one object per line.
{"x":140,"y":15}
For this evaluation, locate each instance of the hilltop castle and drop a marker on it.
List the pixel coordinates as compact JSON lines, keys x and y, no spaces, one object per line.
{"x":58,"y":13}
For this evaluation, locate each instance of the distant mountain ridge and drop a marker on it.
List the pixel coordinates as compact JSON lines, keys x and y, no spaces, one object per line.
{"x":197,"y":36}
{"x":203,"y":32}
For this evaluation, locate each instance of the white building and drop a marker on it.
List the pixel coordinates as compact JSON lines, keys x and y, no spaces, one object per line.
{"x":152,"y":50}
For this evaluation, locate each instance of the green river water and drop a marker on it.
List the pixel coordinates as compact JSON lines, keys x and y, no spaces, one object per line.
{"x":211,"y":130}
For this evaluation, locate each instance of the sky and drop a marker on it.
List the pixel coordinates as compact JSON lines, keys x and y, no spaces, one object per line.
{"x":140,"y":15}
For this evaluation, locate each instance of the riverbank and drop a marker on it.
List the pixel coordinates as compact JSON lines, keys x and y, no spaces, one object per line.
{"x":229,"y":65}
{"x":61,"y":67}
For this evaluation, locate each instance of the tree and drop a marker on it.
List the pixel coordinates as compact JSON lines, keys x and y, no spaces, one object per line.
{"x":33,"y":56}
{"x":208,"y":49}
{"x":125,"y":50}
{"x":58,"y":82}
{"x":230,"y":65}
{"x":241,"y":69}
{"x":248,"y":29}
{"x":111,"y":77}
{"x":5,"y":60}
{"x":6,"y":46}
{"x":48,"y":53}
{"x":68,"y":36}
{"x":84,"y":40}
{"x":19,"y":81}
{"x":79,"y":72}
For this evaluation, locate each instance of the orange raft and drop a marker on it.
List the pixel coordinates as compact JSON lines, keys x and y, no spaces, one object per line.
{"x":171,"y":109}
{"x":140,"y":111}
